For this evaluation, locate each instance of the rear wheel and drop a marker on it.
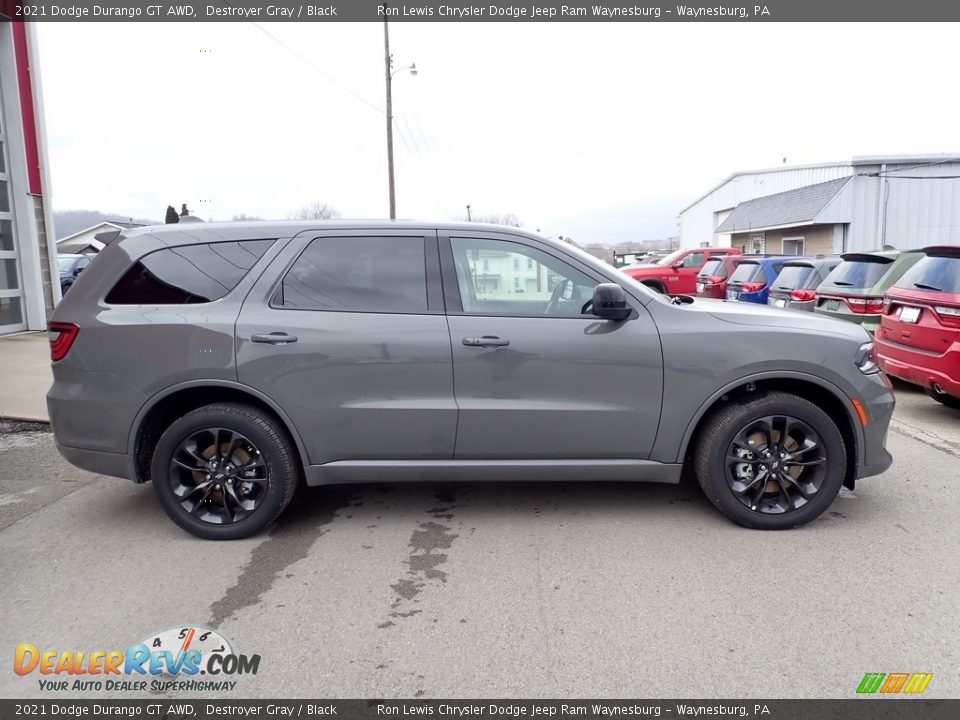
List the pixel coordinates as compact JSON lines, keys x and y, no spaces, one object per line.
{"x":949,"y":400}
{"x":771,"y":462}
{"x":224,"y":471}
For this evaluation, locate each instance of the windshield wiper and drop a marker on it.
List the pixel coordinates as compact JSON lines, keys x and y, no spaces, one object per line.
{"x":842,"y":282}
{"x":922,"y":286}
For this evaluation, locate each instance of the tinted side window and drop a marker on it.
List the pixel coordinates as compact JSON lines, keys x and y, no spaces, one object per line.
{"x":188,"y":274}
{"x":358,"y":274}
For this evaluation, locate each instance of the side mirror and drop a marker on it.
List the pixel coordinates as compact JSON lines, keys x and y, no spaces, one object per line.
{"x":678,"y":266}
{"x":610,"y":302}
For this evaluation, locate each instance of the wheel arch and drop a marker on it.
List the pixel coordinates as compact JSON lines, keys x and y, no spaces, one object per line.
{"x":824,"y":394}
{"x":654,"y":284}
{"x":173,"y":402}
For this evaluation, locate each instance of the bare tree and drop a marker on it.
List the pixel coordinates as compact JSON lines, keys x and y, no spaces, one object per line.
{"x":315,"y":211}
{"x":508,"y":219}
{"x":244,"y":217}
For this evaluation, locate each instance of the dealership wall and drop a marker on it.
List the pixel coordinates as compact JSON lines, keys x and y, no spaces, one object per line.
{"x":29,"y":285}
{"x":907,"y":202}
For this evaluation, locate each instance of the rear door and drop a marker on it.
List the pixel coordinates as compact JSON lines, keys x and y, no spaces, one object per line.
{"x":535,"y":375}
{"x":345,"y":331}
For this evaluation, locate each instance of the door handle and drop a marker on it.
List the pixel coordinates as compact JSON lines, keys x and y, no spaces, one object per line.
{"x":486,"y":341}
{"x":274,"y":338}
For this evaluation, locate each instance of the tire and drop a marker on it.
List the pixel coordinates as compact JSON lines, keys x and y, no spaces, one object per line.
{"x":656,"y":287}
{"x":777,"y":503}
{"x":949,"y":400}
{"x":254,"y":479}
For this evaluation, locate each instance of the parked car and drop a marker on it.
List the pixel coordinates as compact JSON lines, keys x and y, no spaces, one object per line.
{"x":228,"y":363}
{"x":854,"y":290}
{"x":919,"y":335}
{"x":796,"y":286}
{"x":713,"y":276}
{"x":751,"y":280}
{"x":676,"y":274}
{"x":69,"y":267}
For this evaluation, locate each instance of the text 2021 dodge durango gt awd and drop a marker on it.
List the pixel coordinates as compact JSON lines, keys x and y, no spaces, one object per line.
{"x":230,"y":363}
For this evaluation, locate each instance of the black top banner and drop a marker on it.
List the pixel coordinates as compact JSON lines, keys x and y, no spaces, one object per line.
{"x":515,"y":11}
{"x":266,"y":709}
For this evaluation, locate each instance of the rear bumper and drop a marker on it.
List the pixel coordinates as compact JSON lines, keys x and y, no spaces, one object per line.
{"x":921,"y":367}
{"x":97,"y":461}
{"x":806,"y":306}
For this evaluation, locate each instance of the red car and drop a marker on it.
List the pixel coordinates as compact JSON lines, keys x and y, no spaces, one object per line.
{"x":676,"y":274}
{"x":713,"y":276}
{"x":919,"y":335}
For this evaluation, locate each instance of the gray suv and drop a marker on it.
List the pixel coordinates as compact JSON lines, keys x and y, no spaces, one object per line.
{"x":230,"y":363}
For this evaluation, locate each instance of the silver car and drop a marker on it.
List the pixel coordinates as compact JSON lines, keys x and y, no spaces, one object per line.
{"x":228,"y":364}
{"x":796,"y":285}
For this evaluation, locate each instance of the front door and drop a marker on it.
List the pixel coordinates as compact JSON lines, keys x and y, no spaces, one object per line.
{"x":345,"y":333}
{"x":535,"y":375}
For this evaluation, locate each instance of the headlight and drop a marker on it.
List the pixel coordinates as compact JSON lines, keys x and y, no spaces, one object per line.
{"x":866,"y":359}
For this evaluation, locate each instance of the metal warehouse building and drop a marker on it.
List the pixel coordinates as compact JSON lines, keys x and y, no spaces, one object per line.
{"x":863,"y":204}
{"x":27,"y":247}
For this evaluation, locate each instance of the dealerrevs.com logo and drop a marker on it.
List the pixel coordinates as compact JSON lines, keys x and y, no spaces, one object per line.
{"x":171,"y":660}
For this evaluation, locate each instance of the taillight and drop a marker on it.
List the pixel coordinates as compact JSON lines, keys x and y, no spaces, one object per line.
{"x":62,"y":336}
{"x":753,"y":286}
{"x":803,"y":295}
{"x":948,"y":315}
{"x":714,"y":279}
{"x":865,"y":305}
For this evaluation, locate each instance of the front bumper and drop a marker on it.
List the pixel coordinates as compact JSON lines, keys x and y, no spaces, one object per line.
{"x":878,"y":401}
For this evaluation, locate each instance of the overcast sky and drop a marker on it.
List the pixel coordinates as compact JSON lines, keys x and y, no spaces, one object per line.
{"x":597,"y":131}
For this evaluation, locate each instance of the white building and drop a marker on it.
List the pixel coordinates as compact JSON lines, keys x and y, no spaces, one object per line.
{"x":85,"y":241}
{"x":27,"y":247}
{"x":863,"y":204}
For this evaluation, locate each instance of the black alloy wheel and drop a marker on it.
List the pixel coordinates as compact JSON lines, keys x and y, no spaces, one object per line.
{"x":225,"y":471}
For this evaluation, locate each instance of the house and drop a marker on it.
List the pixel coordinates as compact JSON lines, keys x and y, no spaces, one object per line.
{"x":85,"y":241}
{"x":866,"y":203}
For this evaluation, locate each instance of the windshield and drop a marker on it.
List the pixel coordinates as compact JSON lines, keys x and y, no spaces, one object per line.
{"x":747,"y":272}
{"x":713,"y":267}
{"x":858,"y":273}
{"x":670,"y":259}
{"x":65,"y":263}
{"x":793,"y":277}
{"x":933,"y":273}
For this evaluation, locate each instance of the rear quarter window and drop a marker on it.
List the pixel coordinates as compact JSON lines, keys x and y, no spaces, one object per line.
{"x":188,"y":274}
{"x":933,"y":273}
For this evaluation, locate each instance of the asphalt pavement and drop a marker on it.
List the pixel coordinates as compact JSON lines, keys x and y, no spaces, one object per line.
{"x":499,"y":590}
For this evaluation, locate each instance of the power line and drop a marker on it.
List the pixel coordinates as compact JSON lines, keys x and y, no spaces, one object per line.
{"x":318,"y":69}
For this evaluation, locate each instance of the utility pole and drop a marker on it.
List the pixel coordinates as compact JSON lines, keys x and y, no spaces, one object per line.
{"x":388,"y":63}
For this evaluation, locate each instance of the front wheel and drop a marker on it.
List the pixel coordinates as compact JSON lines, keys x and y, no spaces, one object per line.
{"x":225,"y":471}
{"x":771,"y":462}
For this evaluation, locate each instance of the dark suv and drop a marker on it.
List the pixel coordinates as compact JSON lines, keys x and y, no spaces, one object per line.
{"x":229,"y":363}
